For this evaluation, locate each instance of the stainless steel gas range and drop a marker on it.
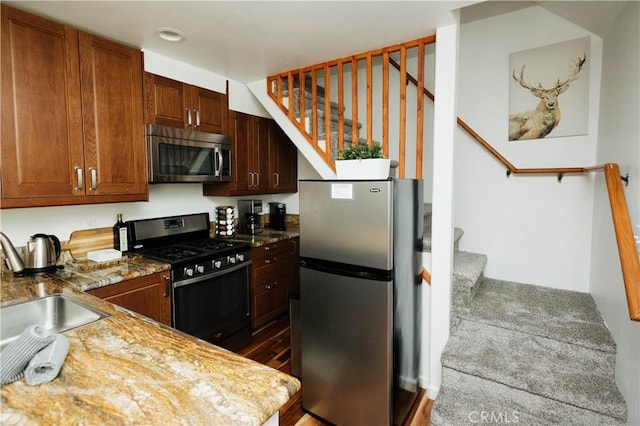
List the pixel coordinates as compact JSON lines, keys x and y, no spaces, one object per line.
{"x":211,"y":285}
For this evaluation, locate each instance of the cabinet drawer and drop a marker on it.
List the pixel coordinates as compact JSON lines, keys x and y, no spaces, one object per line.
{"x":277,"y":249}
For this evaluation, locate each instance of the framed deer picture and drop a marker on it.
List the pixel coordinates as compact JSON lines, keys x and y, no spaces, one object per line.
{"x":549,"y":91}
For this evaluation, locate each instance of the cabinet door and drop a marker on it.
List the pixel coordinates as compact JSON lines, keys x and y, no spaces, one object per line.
{"x":149,"y":296}
{"x":258,"y":151}
{"x":111,"y":78}
{"x":283,"y":161}
{"x":41,"y":120}
{"x":211,"y":111}
{"x":166,"y":101}
{"x":241,"y":175}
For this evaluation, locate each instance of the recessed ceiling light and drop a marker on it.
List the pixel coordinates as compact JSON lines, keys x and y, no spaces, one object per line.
{"x":170,"y":34}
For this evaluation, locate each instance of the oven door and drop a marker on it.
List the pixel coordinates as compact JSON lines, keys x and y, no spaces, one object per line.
{"x":215,"y":307}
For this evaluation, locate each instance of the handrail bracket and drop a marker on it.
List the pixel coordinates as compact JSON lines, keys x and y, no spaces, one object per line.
{"x":625,"y":179}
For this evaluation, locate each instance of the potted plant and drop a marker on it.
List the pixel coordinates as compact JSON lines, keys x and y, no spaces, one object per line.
{"x":362,"y":161}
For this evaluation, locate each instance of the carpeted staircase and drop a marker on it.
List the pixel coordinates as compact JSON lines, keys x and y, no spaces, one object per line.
{"x":520,"y":353}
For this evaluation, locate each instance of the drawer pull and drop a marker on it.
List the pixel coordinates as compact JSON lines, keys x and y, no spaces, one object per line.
{"x":272,"y":260}
{"x":271,"y":286}
{"x":271,"y":247}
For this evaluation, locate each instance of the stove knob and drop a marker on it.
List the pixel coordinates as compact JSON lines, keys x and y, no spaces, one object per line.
{"x":240,"y":257}
{"x":200,"y":269}
{"x":217,"y":264}
{"x":232,"y":259}
{"x":188,"y":272}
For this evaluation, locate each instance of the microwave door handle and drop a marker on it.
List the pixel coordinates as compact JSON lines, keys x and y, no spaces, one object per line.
{"x":218,"y":161}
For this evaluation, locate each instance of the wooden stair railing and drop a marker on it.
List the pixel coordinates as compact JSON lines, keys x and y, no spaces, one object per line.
{"x":333,"y":73}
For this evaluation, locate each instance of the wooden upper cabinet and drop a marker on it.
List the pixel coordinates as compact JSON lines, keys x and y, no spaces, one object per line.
{"x":249,"y":172}
{"x":41,"y":115}
{"x":283,"y":161}
{"x":111,"y":79}
{"x":173,"y":103}
{"x":72,"y":116}
{"x":264,"y":160}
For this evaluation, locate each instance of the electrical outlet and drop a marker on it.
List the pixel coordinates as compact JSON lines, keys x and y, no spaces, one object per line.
{"x":637,"y":238}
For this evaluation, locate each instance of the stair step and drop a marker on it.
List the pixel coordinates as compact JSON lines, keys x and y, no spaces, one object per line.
{"x":562,"y":315}
{"x":468,"y":270}
{"x":560,"y":371}
{"x":467,"y":399}
{"x":308,"y":101}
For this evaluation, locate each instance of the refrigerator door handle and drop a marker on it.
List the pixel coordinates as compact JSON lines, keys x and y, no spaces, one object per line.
{"x":347,"y":270}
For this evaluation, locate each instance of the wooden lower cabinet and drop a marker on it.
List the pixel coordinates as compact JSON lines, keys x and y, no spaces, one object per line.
{"x":274,"y":272}
{"x":149,"y":295}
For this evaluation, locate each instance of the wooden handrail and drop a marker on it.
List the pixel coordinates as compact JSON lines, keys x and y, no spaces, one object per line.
{"x":426,"y":276}
{"x":629,"y":261}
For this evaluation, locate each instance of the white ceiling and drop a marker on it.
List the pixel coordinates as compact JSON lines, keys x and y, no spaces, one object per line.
{"x":248,"y":40}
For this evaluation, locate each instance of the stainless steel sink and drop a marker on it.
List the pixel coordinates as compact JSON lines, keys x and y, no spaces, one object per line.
{"x":56,"y":313}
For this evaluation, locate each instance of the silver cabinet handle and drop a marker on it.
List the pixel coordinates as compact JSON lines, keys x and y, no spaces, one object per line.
{"x":94,"y":178}
{"x":188,"y":117}
{"x":197,"y":118}
{"x":277,"y":179}
{"x":257,"y":179}
{"x":79,"y":176}
{"x":270,"y":261}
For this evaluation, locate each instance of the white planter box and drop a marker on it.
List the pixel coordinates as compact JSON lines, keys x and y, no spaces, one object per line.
{"x":373,"y":168}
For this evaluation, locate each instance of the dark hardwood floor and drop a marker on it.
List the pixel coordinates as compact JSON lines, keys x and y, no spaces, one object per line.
{"x":271,"y":346}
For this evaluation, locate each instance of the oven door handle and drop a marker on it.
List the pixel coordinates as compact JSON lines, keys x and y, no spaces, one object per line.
{"x":200,"y":278}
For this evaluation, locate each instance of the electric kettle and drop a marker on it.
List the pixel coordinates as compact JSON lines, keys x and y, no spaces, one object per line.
{"x":40,"y":255}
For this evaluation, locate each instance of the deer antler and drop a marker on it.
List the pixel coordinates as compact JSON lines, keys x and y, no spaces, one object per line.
{"x":524,"y":83}
{"x":574,"y":75}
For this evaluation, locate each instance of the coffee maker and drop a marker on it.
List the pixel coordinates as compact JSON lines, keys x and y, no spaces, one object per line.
{"x":277,"y":214}
{"x":249,"y":212}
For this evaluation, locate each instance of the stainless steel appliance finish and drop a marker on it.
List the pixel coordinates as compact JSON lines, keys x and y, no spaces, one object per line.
{"x":177,"y":155}
{"x":210,"y":296}
{"x":360,"y":248}
{"x":39,"y":256}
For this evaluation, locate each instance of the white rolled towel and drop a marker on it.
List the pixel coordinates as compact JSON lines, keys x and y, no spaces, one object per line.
{"x":17,"y":354}
{"x":46,"y":364}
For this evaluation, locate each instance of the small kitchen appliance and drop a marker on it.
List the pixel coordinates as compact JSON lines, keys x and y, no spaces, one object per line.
{"x":40,"y":254}
{"x":249,"y":212}
{"x":277,"y":215}
{"x":210,"y":277}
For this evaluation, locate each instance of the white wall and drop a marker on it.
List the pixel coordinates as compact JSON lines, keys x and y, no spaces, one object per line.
{"x":532,"y":228}
{"x":619,"y":142}
{"x":164,"y":199}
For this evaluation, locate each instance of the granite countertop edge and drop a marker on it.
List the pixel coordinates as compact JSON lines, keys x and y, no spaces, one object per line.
{"x":130,"y":369}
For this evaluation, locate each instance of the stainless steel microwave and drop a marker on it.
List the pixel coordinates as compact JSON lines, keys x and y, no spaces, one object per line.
{"x":177,"y":155}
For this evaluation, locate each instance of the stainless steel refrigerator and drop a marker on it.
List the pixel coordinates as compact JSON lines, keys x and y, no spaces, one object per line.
{"x":360,"y":266}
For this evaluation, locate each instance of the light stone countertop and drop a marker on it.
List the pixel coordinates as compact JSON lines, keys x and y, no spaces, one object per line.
{"x":128,"y":369}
